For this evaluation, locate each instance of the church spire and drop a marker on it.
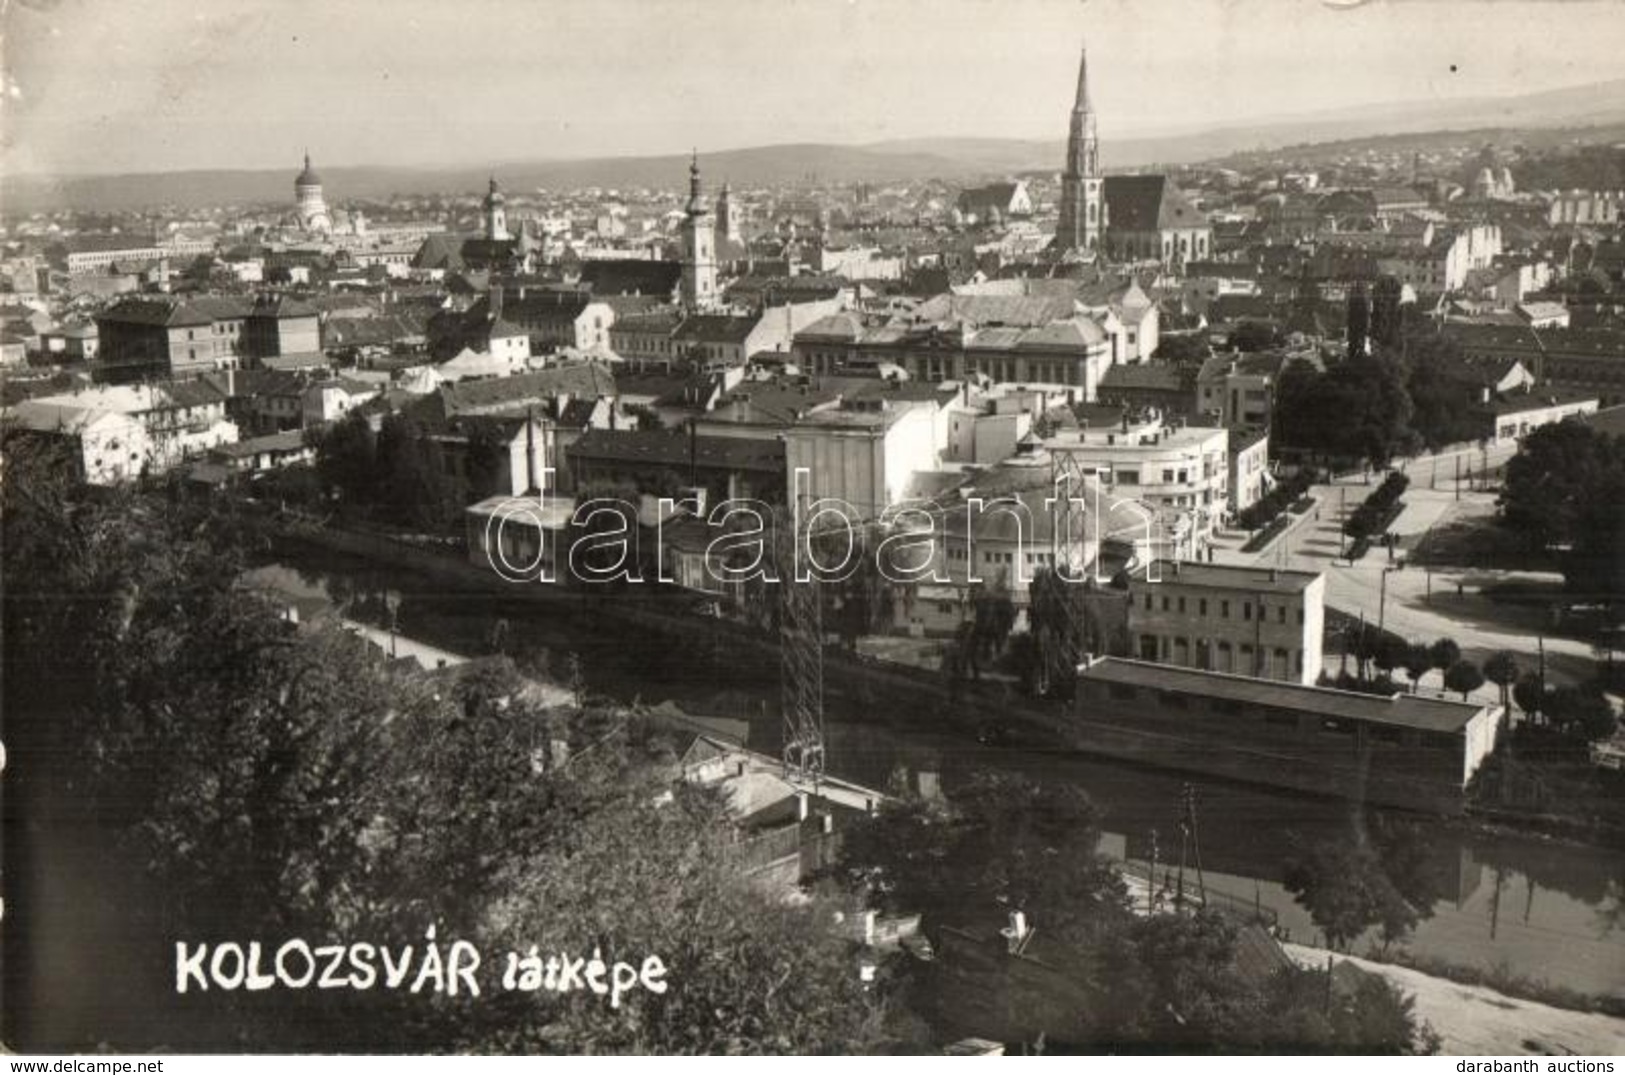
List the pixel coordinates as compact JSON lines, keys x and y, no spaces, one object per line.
{"x":696,"y":198}
{"x":1080,"y":103}
{"x":1083,"y":211}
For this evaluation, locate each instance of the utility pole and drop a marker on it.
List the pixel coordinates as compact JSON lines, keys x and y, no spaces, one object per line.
{"x":1457,"y":458}
{"x":1196,"y":843}
{"x":1342,"y":521}
{"x":1540,"y":677}
{"x":1151,"y":892}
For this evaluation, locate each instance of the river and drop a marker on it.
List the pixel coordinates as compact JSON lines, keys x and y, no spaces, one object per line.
{"x":1533,"y":907}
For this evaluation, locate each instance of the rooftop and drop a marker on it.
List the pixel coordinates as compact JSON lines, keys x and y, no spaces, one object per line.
{"x":1402,"y":710}
{"x":1230,"y":577}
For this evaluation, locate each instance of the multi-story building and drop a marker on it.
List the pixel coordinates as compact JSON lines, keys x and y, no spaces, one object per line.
{"x":1019,"y":340}
{"x":151,"y":337}
{"x":865,"y":457}
{"x":178,"y":420}
{"x":1183,"y":472}
{"x":554,"y":320}
{"x":278,"y":325}
{"x":1249,"y":621}
{"x":1572,"y":359}
{"x":646,"y":339}
{"x":1249,"y":467}
{"x":1238,"y":392}
{"x":1586,"y":207}
{"x":145,"y":338}
{"x":106,"y":447}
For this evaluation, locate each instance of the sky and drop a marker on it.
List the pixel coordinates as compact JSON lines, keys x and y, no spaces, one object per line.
{"x":106,"y":86}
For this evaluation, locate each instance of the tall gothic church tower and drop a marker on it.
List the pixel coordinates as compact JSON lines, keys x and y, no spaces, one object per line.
{"x":496,"y":212}
{"x":699,"y":288}
{"x":1083,"y":203}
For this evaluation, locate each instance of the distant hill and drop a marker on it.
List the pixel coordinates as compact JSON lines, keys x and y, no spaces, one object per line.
{"x":951,"y":159}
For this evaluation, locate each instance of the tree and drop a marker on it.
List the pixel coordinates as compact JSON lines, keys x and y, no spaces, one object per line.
{"x":1255,"y":336}
{"x":1444,"y":653}
{"x":993,"y":615}
{"x":1596,"y":563}
{"x":1192,"y":348}
{"x":1359,"y":323}
{"x":1418,"y":662}
{"x":1527,"y":692}
{"x":1382,"y":877}
{"x":1387,"y":322}
{"x":1463,"y":676}
{"x":1000,"y":842}
{"x":347,"y":457}
{"x":1381,"y":421}
{"x":1582,"y":712}
{"x":1445,"y":408}
{"x":413,"y":488}
{"x":1501,"y":669}
{"x":1552,"y":486}
{"x":1390,"y":653}
{"x":282,"y":781}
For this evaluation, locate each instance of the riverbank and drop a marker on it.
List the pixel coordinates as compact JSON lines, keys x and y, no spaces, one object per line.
{"x":1475,"y":1020}
{"x":867,"y":683}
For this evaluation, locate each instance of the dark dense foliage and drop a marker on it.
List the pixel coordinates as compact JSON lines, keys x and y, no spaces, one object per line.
{"x":1566,"y":488}
{"x":231,"y":776}
{"x":1169,"y":981}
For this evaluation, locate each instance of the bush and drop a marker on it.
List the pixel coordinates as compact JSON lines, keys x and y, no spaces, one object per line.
{"x":1289,"y":491}
{"x":1373,"y":516}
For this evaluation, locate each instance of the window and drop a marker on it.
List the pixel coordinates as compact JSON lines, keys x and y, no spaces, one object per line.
{"x":1282,"y":720}
{"x":1148,"y":602}
{"x":1330,"y":726}
{"x":1201,"y":607}
{"x":1247,"y":610}
{"x":1300,"y":617}
{"x":1224,"y":610}
{"x":1182,"y":604}
{"x":1226,"y":705}
{"x":1282,"y":617}
{"x":1165,"y":602}
{"x":1123,"y":692}
{"x":1173,"y":699}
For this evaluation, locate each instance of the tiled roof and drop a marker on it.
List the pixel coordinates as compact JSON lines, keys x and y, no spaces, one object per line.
{"x":1404,"y":710}
{"x":667,"y":448}
{"x":629,"y":276}
{"x":1025,"y":311}
{"x":589,"y":379}
{"x":1149,"y":376}
{"x":159,"y":313}
{"x":1148,"y":203}
{"x":1539,"y":399}
{"x":716,"y":328}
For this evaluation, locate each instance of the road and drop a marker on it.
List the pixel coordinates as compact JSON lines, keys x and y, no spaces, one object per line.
{"x":1414,"y":602}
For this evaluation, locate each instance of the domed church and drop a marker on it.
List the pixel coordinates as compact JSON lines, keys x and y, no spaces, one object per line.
{"x":312,"y":207}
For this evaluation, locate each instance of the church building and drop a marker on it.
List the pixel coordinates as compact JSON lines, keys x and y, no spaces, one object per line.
{"x":1124,"y":218}
{"x":311,"y":205}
